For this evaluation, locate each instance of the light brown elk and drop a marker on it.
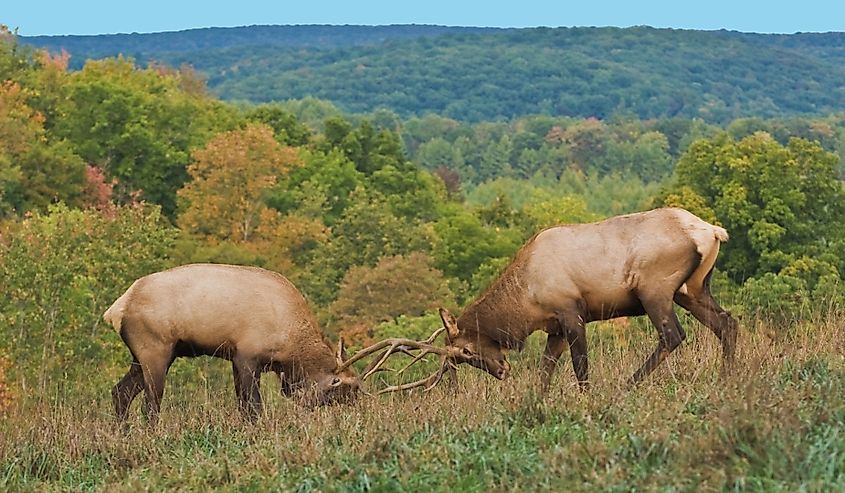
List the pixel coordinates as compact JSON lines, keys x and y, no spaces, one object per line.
{"x":253,"y":317}
{"x":567,"y":276}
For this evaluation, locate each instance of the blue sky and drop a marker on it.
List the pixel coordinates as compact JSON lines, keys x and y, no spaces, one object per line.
{"x":34,"y":17}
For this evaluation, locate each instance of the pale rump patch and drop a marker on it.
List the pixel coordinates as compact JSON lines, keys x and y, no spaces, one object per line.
{"x":707,"y":238}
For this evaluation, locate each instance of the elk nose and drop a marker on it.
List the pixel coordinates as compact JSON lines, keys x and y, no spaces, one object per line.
{"x":504,"y":369}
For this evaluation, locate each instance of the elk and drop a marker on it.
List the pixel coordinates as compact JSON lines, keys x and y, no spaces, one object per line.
{"x":569,"y":275}
{"x":255,"y":318}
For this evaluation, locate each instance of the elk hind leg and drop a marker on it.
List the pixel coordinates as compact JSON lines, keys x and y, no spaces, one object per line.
{"x":155,"y":366}
{"x":701,"y":304}
{"x":669,"y":331}
{"x":124,"y":392}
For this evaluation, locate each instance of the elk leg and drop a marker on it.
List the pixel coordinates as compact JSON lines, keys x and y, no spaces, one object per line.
{"x":247,"y":377}
{"x":155,"y":368}
{"x":670,"y":333}
{"x":576,"y":336}
{"x":707,"y":311}
{"x":124,"y":392}
{"x":453,"y":377}
{"x":285,"y":385}
{"x":555,"y":344}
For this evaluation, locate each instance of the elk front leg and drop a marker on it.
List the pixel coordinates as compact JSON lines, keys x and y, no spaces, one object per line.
{"x":555,"y":344}
{"x":247,"y":387}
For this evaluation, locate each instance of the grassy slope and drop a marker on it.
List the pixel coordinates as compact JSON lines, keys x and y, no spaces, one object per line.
{"x":777,"y":425}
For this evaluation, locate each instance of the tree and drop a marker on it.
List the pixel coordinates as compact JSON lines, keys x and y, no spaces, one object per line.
{"x":366,"y":231}
{"x":396,"y":285}
{"x":463,"y":243}
{"x":34,"y":172}
{"x":60,"y":271}
{"x":138,"y":125}
{"x":231,"y":175}
{"x":288,"y":130}
{"x":779,"y":203}
{"x":321,"y":187}
{"x":412,"y":193}
{"x":646,"y":156}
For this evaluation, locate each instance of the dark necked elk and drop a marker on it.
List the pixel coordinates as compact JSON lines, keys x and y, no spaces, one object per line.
{"x":253,"y":317}
{"x":567,"y":276}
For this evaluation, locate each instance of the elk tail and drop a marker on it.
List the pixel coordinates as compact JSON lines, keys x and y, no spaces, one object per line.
{"x":720,"y":233}
{"x":114,"y":315}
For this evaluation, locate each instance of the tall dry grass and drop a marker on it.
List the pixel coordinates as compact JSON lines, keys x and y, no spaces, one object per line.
{"x":775,"y":424}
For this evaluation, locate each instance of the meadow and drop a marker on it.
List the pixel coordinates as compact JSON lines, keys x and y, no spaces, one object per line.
{"x":117,"y":170}
{"x":776,"y":424}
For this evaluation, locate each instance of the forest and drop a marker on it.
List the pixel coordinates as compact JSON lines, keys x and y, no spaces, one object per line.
{"x":487,"y":74}
{"x":383,"y":210}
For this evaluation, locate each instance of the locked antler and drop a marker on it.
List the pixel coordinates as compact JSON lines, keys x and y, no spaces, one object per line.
{"x":394,"y":345}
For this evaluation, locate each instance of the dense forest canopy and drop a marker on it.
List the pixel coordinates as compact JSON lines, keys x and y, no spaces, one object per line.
{"x":216,"y":38}
{"x":473,"y":74}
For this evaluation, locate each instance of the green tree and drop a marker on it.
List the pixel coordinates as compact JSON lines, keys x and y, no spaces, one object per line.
{"x":34,"y":172}
{"x":366,"y":231}
{"x":138,"y":125}
{"x":464,"y":243}
{"x":60,"y":272}
{"x":321,"y":187}
{"x":396,"y":285}
{"x":779,"y":203}
{"x":287,"y":129}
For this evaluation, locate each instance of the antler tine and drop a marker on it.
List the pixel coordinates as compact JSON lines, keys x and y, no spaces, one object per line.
{"x":377,"y":366}
{"x":417,"y":357}
{"x":393,"y":344}
{"x":428,"y":382}
{"x":363,"y":354}
{"x":434,"y":335}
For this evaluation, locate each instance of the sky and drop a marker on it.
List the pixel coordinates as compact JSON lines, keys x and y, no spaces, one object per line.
{"x":33,"y":17}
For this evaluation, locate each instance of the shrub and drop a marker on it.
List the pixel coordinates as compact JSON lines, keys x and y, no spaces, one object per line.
{"x":61,"y":270}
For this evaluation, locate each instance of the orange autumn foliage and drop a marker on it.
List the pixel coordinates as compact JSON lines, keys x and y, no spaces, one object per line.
{"x":225,"y":199}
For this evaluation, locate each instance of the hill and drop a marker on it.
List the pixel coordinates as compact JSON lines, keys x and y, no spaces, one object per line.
{"x":479,"y":74}
{"x":149,"y":45}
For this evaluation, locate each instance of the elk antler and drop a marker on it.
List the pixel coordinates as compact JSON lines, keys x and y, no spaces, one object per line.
{"x":406,"y":346}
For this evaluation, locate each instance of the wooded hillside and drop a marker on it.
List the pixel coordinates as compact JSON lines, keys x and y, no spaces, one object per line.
{"x":481,"y":74}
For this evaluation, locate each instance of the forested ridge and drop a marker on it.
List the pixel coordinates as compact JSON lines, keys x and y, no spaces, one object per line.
{"x":121,"y":168}
{"x":474,"y":74}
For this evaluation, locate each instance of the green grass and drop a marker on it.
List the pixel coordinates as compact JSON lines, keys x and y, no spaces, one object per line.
{"x":775,"y":425}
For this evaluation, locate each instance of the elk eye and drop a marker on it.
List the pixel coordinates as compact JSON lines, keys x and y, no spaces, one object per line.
{"x":335,"y":382}
{"x":467,"y":352}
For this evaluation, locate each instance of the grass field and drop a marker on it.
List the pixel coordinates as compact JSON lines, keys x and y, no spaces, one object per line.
{"x":775,"y":425}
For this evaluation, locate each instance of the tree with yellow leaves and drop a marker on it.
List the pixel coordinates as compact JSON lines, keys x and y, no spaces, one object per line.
{"x":231,"y":175}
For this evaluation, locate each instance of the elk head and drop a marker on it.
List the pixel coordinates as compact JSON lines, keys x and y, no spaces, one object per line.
{"x":474,"y":348}
{"x":337,"y":387}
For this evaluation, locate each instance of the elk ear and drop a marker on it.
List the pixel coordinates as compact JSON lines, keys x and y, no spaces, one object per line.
{"x":340,"y":355}
{"x":449,"y":322}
